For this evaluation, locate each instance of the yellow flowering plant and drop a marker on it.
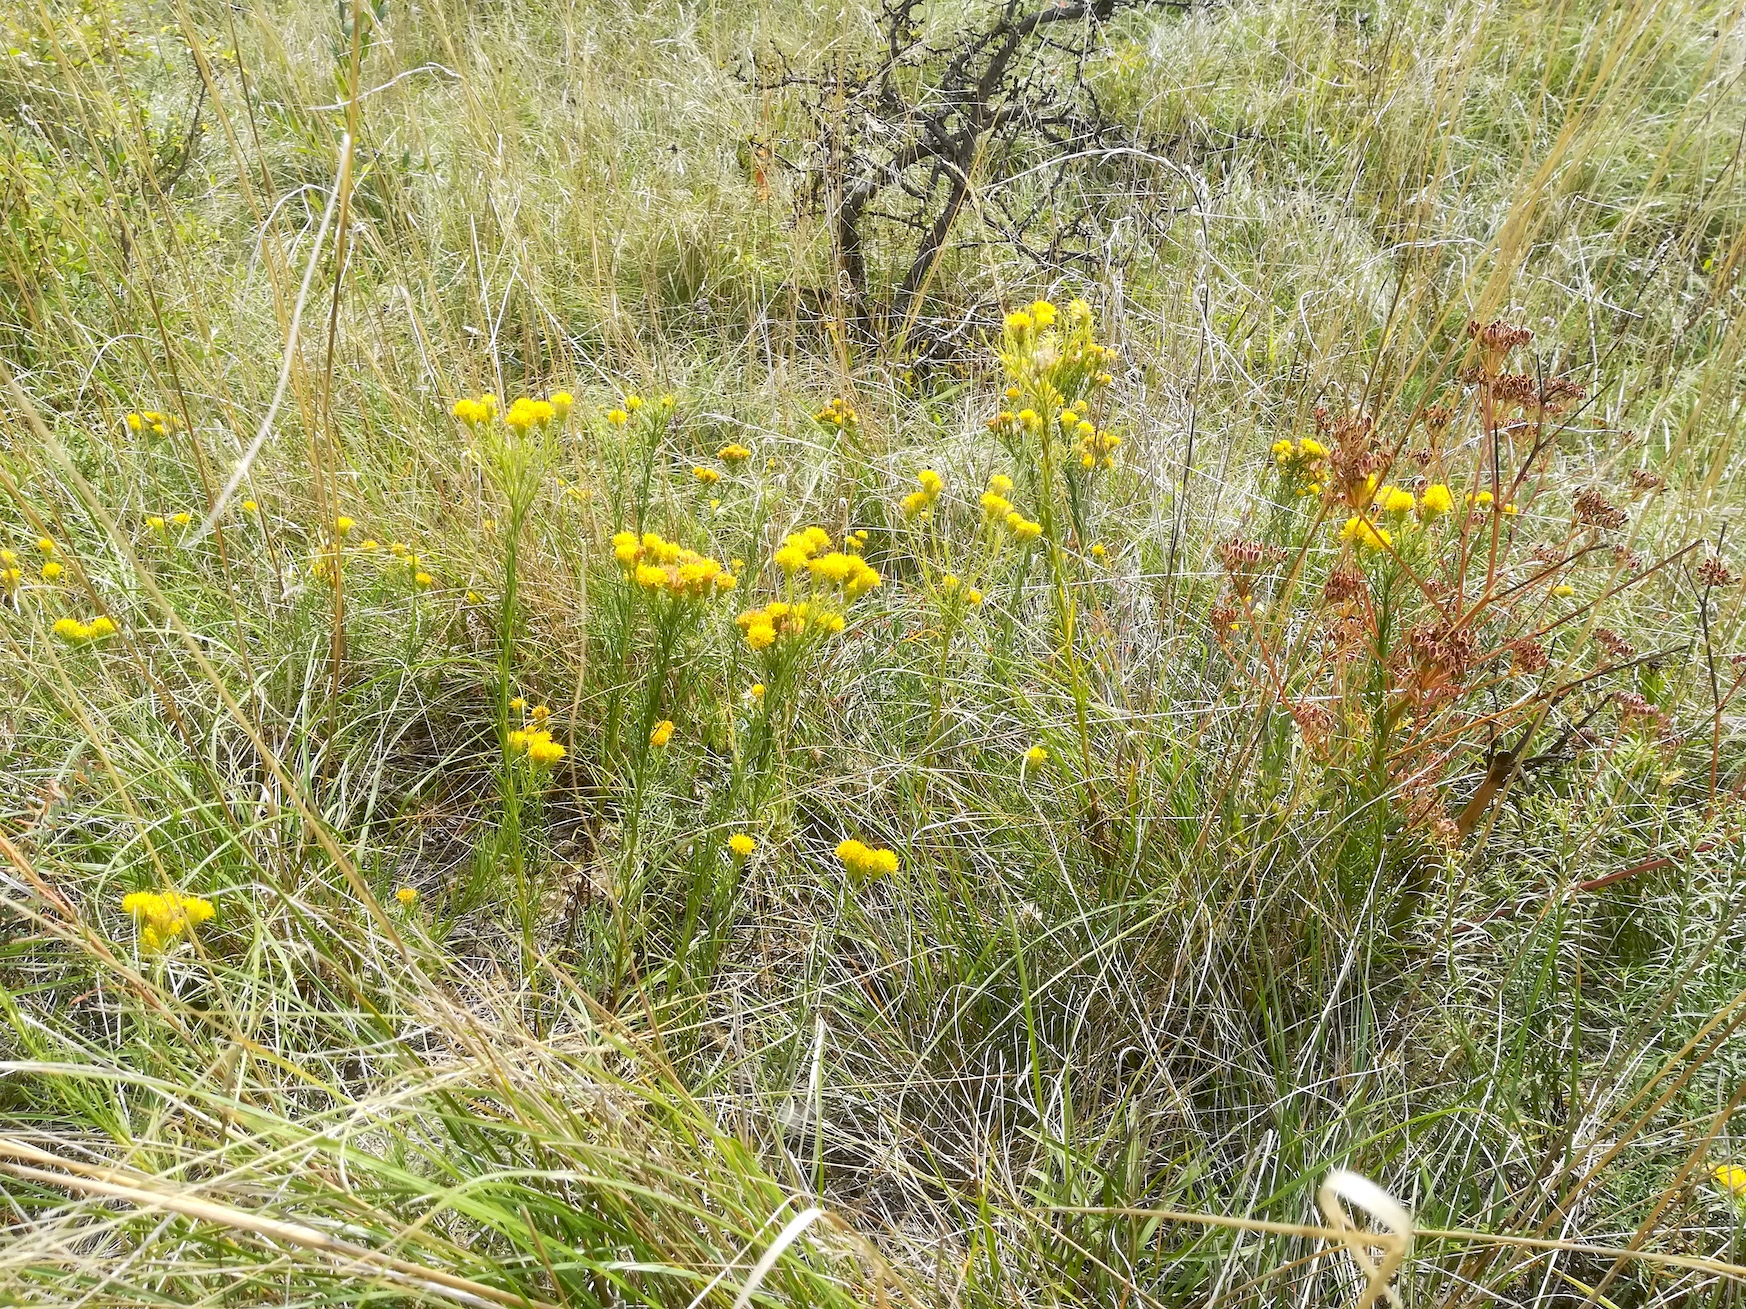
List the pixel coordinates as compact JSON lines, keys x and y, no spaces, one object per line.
{"x":1053,"y":426}
{"x":511,"y":449}
{"x":674,"y":586}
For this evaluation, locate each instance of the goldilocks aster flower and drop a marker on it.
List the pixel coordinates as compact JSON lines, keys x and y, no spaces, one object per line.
{"x":1436,"y":501}
{"x":537,"y":745}
{"x":164,"y":917}
{"x":862,"y":861}
{"x":75,"y":632}
{"x":919,"y":501}
{"x":526,"y":413}
{"x":667,"y":568}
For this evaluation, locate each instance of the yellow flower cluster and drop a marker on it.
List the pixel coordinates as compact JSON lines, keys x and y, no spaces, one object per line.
{"x":164,"y":917}
{"x":838,"y":414}
{"x":661,"y":733}
{"x":812,"y":551}
{"x":1366,"y":533}
{"x":863,"y":861}
{"x":921,"y":500}
{"x":708,"y":476}
{"x":523,"y":414}
{"x":537,"y":744}
{"x":1731,"y":1178}
{"x":995,"y":505}
{"x":733,"y":453}
{"x":1039,"y":317}
{"x":779,"y":618}
{"x":1436,"y":501}
{"x":1394,"y":500}
{"x":1063,"y":361}
{"x":800,"y":547}
{"x":474,"y":412}
{"x":841,"y":570}
{"x":741,"y":844}
{"x":150,"y":420}
{"x":1096,"y":447}
{"x":1304,"y":464}
{"x":853,"y":574}
{"x":664,"y":567}
{"x":10,"y":573}
{"x":75,"y":632}
{"x":526,"y":413}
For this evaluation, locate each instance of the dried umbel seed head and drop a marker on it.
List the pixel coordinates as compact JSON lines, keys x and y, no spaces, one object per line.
{"x":1241,"y":559}
{"x":1343,"y":586}
{"x":1442,"y":646}
{"x":1628,"y":559}
{"x":1432,"y":664}
{"x":1353,"y":472}
{"x":1713,"y":572}
{"x":1527,"y":392}
{"x":1528,"y":656}
{"x":1437,"y":419}
{"x":1633,"y":706}
{"x":1420,"y":457}
{"x":1497,"y":338}
{"x":1224,"y":620}
{"x":1594,"y":510}
{"x":1352,"y":430}
{"x":1550,"y":555}
{"x":1614,"y":644}
{"x":1313,"y":720}
{"x":1518,"y":389}
{"x":1238,"y":555}
{"x":1343,"y":634}
{"x":1642,"y":481}
{"x":1559,"y":393}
